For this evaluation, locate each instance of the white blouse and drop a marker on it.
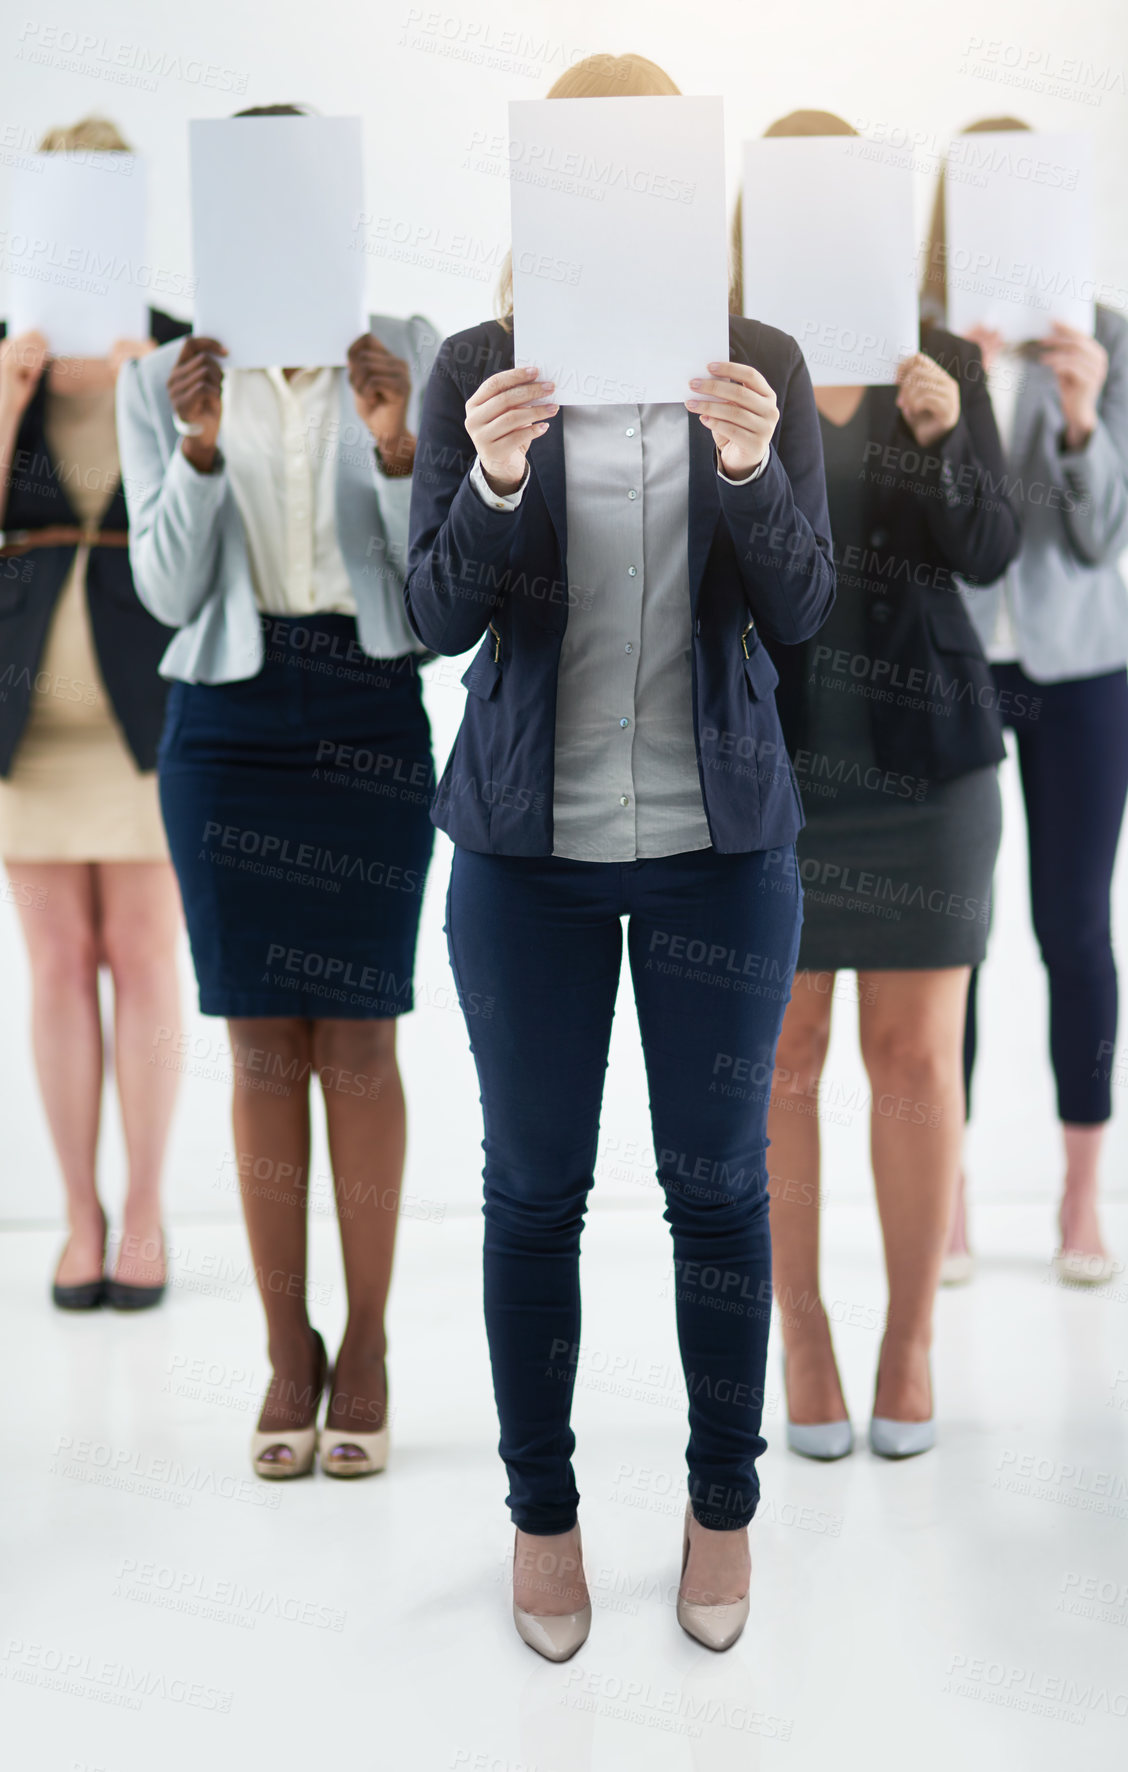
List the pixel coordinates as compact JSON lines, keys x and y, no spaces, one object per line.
{"x":278,"y":439}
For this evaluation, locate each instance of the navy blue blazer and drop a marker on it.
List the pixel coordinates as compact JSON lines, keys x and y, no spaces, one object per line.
{"x":759,"y":562}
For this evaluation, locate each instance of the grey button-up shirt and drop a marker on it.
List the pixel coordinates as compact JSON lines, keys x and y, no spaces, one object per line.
{"x":626,"y":781}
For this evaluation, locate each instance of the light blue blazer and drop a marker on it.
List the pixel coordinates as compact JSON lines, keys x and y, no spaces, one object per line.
{"x":1069,"y":602}
{"x":187,"y":546}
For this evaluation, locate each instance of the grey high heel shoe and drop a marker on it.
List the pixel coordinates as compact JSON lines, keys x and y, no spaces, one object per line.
{"x":717,"y":1627}
{"x":890,"y":1438}
{"x":824,"y":1440}
{"x":901,"y":1439}
{"x":556,"y":1636}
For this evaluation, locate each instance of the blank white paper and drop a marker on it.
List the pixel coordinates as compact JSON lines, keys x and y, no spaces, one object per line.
{"x":1021,"y":245}
{"x":620,"y":265}
{"x":277,"y":205}
{"x":830,"y":253}
{"x":75,"y":251}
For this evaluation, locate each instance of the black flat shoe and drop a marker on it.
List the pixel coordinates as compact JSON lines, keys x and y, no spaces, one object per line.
{"x":120,"y":1296}
{"x":89,"y":1294}
{"x":86,"y":1297}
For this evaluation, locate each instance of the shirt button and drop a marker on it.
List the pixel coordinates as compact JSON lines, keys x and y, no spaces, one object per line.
{"x":632,"y":571}
{"x":628,"y":647}
{"x":624,"y":800}
{"x":624,"y":723}
{"x":632,"y":493}
{"x":630,"y":430}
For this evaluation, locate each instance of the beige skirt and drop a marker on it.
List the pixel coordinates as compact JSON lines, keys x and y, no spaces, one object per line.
{"x":75,"y":792}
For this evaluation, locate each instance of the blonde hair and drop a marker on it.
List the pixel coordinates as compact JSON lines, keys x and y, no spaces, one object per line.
{"x":934,"y":284}
{"x":97,"y":135}
{"x":795,"y":123}
{"x":597,"y":76}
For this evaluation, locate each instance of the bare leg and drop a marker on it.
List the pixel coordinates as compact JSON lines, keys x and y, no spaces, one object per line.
{"x":364,"y":1110}
{"x":139,"y":921}
{"x":814,"y":1391}
{"x":957,"y":1224}
{"x":912,"y":1044}
{"x":272,"y":1156}
{"x":1080,"y":1226}
{"x":58,"y":910}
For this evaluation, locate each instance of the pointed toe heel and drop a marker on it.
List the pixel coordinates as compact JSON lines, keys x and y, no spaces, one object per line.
{"x":824,"y":1440}
{"x":714,"y":1627}
{"x":901,"y":1439}
{"x":555,"y":1635}
{"x":556,"y":1638}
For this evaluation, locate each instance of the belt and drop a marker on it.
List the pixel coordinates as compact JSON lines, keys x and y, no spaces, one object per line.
{"x":60,"y":535}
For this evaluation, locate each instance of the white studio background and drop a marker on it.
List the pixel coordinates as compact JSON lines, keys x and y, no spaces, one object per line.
{"x":432,"y":86}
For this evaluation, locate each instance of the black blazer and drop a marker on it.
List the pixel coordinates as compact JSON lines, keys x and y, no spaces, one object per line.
{"x":928,"y":515}
{"x":128,"y":641}
{"x":758,"y":556}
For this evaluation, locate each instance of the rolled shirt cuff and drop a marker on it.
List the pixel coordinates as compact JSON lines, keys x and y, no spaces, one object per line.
{"x":497,"y":501}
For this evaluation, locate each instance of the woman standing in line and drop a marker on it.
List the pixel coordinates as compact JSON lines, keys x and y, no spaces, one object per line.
{"x":1055,"y":629}
{"x":896,"y":859}
{"x":589,"y":782}
{"x":269,"y":527}
{"x":80,"y":825}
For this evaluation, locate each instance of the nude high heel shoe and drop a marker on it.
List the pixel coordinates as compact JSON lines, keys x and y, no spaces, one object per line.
{"x":300,"y":1442}
{"x":717,"y":1627}
{"x":344,"y":1453}
{"x":556,"y":1636}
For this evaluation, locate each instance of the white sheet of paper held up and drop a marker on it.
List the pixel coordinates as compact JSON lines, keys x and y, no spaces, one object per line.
{"x":277,"y":214}
{"x":75,"y":251}
{"x":830,"y":252}
{"x":620,"y":263}
{"x":1021,"y":242}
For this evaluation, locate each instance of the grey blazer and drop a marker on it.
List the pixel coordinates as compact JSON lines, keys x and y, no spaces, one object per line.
{"x":1069,"y":606}
{"x":186,"y":542}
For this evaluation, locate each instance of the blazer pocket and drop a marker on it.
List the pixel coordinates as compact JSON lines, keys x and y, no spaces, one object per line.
{"x":951,"y":628}
{"x":761,"y":674}
{"x":484,"y":673}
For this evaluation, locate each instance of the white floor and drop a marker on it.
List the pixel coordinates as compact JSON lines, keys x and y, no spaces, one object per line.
{"x":160,"y":1607}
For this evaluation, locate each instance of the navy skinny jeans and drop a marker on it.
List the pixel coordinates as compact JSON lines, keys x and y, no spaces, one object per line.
{"x":535,"y":945}
{"x":1073,"y":758}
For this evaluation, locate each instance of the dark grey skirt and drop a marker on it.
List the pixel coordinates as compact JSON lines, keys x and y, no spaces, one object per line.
{"x":895,"y":884}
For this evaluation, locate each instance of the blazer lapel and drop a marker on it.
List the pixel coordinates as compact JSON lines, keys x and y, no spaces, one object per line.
{"x":704,"y":502}
{"x":884,"y":427}
{"x":546,"y":460}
